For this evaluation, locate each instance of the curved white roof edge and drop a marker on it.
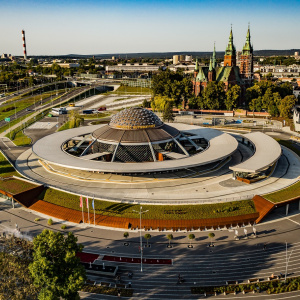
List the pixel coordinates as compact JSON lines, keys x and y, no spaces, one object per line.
{"x":49,"y":148}
{"x":267,"y":152}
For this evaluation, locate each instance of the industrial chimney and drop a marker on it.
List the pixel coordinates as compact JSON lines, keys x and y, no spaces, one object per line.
{"x":24,"y":44}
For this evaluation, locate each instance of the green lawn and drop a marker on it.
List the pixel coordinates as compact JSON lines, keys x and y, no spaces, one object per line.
{"x":170,"y":212}
{"x":21,"y":139}
{"x":6,"y":169}
{"x":285,"y":194}
{"x":96,"y":116}
{"x":64,"y":126}
{"x":132,"y":90}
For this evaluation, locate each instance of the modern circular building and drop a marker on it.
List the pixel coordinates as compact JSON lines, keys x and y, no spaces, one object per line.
{"x":135,"y":141}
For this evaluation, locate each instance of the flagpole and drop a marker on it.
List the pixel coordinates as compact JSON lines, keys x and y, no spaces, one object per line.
{"x":94,"y":210}
{"x":81,"y":205}
{"x":82,"y":214}
{"x":87,"y":204}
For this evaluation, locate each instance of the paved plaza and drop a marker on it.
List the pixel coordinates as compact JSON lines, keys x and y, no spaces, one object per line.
{"x":199,"y":266}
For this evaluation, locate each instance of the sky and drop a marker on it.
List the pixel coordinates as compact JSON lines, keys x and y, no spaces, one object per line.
{"x":59,"y":27}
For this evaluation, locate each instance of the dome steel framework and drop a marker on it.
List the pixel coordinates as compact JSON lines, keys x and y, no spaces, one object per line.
{"x":137,"y":135}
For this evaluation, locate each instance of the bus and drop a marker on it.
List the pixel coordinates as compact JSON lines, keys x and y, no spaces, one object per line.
{"x":59,"y":111}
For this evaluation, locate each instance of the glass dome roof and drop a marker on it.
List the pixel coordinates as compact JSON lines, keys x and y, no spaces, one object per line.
{"x":135,"y":118}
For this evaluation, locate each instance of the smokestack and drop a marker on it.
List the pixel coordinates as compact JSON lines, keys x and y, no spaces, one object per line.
{"x":24,"y":44}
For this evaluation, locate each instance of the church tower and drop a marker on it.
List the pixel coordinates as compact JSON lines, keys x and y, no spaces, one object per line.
{"x":230,"y":53}
{"x":246,"y":61}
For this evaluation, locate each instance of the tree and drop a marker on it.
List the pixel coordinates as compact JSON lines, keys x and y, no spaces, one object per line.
{"x":75,"y":120}
{"x":147,"y":236}
{"x":232,"y":97}
{"x":211,"y":235}
{"x":168,"y":113}
{"x":191,"y":237}
{"x":159,"y":102}
{"x":146,"y":104}
{"x":214,"y":95}
{"x":172,"y":85}
{"x":286,"y":105}
{"x":170,"y":238}
{"x":15,"y":280}
{"x":55,"y":268}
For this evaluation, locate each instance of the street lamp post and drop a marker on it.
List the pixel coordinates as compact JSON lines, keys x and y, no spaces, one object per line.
{"x":141,"y":241}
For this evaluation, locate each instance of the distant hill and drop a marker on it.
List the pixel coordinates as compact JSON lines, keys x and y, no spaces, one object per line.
{"x":168,"y":54}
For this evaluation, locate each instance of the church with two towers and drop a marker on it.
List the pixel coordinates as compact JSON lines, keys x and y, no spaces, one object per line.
{"x":231,"y":72}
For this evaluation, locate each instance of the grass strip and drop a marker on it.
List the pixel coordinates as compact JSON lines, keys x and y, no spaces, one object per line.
{"x":163,"y":212}
{"x":132,"y":90}
{"x":64,"y":126}
{"x":290,"y":192}
{"x":6,"y":169}
{"x":21,"y":139}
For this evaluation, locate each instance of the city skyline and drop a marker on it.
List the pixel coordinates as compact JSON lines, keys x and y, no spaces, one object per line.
{"x":103,"y":27}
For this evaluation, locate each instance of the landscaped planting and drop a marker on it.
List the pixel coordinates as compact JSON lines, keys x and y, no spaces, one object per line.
{"x":170,"y":212}
{"x":15,"y":186}
{"x":290,"y":192}
{"x":106,"y":290}
{"x":271,"y":287}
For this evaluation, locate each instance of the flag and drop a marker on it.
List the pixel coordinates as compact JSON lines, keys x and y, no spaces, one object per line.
{"x":93,"y":204}
{"x":80,"y":201}
{"x":87,"y":202}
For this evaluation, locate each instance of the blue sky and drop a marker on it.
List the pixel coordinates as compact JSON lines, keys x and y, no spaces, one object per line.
{"x":95,"y":26}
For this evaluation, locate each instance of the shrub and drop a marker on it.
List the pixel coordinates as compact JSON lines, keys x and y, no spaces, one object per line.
{"x":50,"y":222}
{"x":63,"y":226}
{"x":126,"y":234}
{"x":37,"y":219}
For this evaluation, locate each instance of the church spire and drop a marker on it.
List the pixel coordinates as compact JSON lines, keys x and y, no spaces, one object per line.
{"x":214,"y":61}
{"x":247,"y":49}
{"x":210,"y":65}
{"x":230,"y":49}
{"x":196,"y":65}
{"x":230,"y":52}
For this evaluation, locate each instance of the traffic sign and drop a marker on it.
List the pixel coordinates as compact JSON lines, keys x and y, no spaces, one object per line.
{"x":7,"y":119}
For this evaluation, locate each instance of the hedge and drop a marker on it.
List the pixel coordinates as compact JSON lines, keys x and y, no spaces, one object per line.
{"x":271,"y":287}
{"x":106,"y":290}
